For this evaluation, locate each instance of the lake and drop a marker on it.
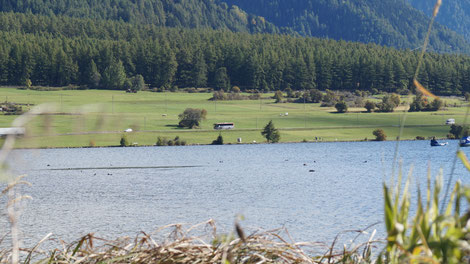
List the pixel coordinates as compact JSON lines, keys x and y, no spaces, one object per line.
{"x":315,"y":190}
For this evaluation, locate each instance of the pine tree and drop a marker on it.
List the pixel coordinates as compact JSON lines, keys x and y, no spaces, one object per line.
{"x":271,"y":133}
{"x":221,"y":79}
{"x":114,"y":76}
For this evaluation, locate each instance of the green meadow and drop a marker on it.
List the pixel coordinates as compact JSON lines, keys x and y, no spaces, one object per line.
{"x":99,"y":117}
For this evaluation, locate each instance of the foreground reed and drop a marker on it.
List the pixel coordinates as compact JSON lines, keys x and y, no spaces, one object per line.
{"x":180,"y":247}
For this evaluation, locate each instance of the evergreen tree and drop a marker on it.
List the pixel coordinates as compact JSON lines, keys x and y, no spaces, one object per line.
{"x":137,"y":83}
{"x":93,"y":76}
{"x":199,"y":73}
{"x":221,"y":79}
{"x":114,"y":76}
{"x":271,"y":133}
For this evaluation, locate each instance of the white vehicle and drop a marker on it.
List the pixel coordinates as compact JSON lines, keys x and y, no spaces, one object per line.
{"x":450,"y":121}
{"x":220,"y":126}
{"x":128,"y":130}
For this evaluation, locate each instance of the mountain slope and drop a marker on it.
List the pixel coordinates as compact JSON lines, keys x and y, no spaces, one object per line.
{"x":392,"y":23}
{"x":385,"y":22}
{"x":454,"y":14}
{"x":178,"y":13}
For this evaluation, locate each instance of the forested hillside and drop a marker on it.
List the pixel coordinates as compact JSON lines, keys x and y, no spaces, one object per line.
{"x":454,"y":14}
{"x":58,"y":51}
{"x":170,"y":13}
{"x":392,"y":23}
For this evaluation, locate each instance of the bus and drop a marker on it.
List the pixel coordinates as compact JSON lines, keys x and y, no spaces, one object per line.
{"x":220,"y":126}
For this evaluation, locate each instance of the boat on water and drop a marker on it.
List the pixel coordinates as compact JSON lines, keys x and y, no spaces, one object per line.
{"x":465,"y":142}
{"x":434,"y":143}
{"x":438,"y":144}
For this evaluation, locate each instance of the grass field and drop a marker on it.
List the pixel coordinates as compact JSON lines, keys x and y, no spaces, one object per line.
{"x":100,"y":117}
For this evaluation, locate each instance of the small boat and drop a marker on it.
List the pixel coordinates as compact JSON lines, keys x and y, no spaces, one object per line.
{"x":465,"y":142}
{"x":434,"y":143}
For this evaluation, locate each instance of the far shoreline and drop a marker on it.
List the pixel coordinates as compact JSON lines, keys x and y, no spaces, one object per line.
{"x":231,"y":144}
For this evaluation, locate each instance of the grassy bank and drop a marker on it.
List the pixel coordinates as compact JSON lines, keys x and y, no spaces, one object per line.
{"x":99,"y":118}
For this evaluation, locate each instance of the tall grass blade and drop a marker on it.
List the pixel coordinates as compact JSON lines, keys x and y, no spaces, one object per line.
{"x":464,"y":159}
{"x":423,"y":90}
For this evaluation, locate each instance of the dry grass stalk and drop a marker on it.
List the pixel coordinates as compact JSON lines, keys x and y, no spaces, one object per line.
{"x":181,"y":247}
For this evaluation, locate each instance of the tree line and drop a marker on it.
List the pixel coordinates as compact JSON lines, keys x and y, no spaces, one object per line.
{"x":61,"y":51}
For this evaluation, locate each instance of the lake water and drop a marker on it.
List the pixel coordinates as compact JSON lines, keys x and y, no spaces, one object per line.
{"x":315,"y":190}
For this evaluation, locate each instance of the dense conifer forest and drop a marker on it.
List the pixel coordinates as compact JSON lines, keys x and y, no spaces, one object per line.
{"x":60,"y":50}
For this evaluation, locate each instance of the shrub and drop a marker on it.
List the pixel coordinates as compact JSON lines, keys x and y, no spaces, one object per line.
{"x":359,"y":102}
{"x":218,"y":96}
{"x":420,"y":138}
{"x":235,"y":89}
{"x":219,"y":140}
{"x":458,"y":131}
{"x":161,"y":141}
{"x":278,"y":96}
{"x":191,"y":90}
{"x":379,"y":135}
{"x":420,"y":103}
{"x":436,"y":105}
{"x":124,"y":142}
{"x":329,"y":99}
{"x":341,"y":107}
{"x":389,"y":103}
{"x":369,"y":106}
{"x":315,"y":96}
{"x":221,"y":96}
{"x":255,"y":96}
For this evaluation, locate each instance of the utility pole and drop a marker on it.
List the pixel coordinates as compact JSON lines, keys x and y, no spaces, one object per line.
{"x":304,"y":98}
{"x":112,"y":104}
{"x":305,"y":112}
{"x":166,"y":104}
